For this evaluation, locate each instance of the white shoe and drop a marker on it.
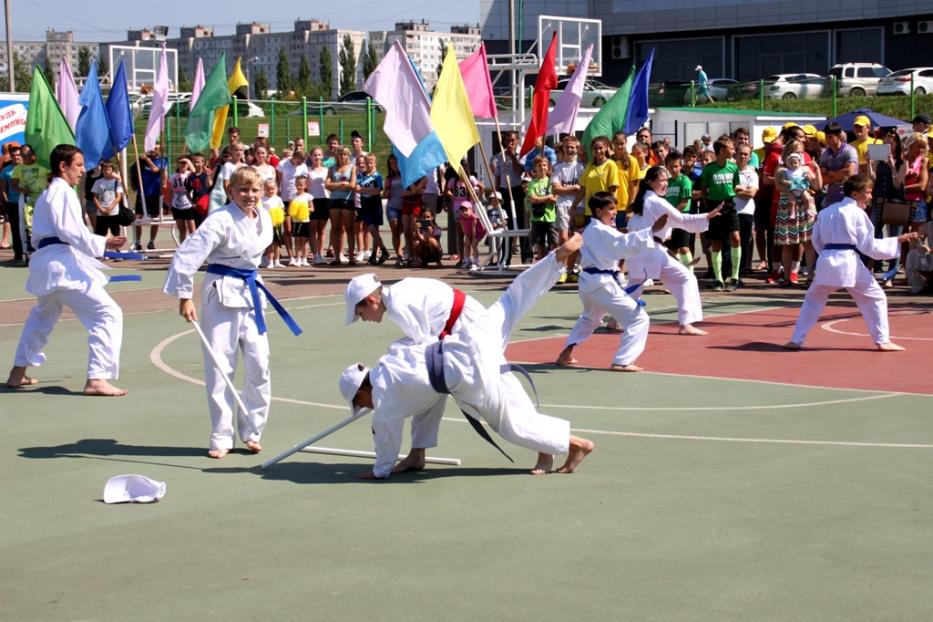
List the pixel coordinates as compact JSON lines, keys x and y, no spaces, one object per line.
{"x":648,"y":283}
{"x":475,"y":268}
{"x":279,"y":264}
{"x":304,"y":262}
{"x":268,"y":266}
{"x":360,"y":257}
{"x":365,"y":255}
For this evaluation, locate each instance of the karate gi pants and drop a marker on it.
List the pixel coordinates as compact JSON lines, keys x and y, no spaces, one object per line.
{"x":868,"y":296}
{"x":96,"y":311}
{"x":657,"y":263}
{"x":608,"y":297}
{"x":231,"y":330}
{"x":475,"y":360}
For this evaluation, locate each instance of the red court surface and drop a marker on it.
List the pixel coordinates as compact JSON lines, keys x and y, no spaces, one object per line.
{"x":838,"y":351}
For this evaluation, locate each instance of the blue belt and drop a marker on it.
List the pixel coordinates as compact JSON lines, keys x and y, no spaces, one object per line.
{"x":631,"y":289}
{"x":840,"y":247}
{"x":434,"y":359}
{"x":114,"y":279}
{"x":254,"y":286}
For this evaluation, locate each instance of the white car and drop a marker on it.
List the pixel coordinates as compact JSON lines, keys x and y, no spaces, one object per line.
{"x":858,"y":79}
{"x":898,"y":83}
{"x":794,"y":86}
{"x":595,"y":94}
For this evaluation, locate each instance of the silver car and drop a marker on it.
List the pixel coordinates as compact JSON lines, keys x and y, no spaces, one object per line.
{"x":858,"y":79}
{"x":793,"y":86}
{"x":898,"y":83}
{"x":595,"y":94}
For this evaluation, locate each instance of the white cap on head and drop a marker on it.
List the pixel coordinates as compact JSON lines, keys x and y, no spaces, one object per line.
{"x":350,"y":381}
{"x":699,"y":68}
{"x":795,"y":156}
{"x":359,"y":288}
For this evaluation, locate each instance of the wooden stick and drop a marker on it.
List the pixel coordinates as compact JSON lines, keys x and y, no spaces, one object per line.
{"x":315,"y":438}
{"x":353,"y":453}
{"x":139,"y":193}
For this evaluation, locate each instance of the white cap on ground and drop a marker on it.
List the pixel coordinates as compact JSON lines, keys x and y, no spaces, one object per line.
{"x":350,"y":381}
{"x":133,"y":489}
{"x":359,"y":288}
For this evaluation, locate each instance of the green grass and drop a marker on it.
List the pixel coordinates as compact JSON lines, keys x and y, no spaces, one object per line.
{"x":893,"y":106}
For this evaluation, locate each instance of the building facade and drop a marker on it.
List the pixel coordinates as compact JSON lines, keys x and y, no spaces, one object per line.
{"x":424,"y":46}
{"x":56,"y":46}
{"x":741,"y":39}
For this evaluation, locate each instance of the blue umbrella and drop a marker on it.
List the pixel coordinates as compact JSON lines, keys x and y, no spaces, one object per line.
{"x":877,"y":119}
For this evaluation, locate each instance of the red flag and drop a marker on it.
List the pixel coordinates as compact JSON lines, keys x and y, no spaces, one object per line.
{"x":547,"y":80}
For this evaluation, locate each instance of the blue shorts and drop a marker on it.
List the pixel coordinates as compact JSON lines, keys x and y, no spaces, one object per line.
{"x":921,"y":212}
{"x":394,"y":213}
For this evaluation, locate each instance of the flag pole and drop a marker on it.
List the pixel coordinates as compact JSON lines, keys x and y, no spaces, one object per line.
{"x":140,"y":195}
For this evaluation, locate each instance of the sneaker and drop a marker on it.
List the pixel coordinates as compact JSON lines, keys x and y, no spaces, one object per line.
{"x":372,"y":259}
{"x":648,"y":283}
{"x":383,"y":255}
{"x":318,"y":260}
{"x":151,"y":245}
{"x":137,"y":247}
{"x":733,"y":285}
{"x":279,"y":264}
{"x":360,"y":257}
{"x":718,"y":286}
{"x":793,"y":278}
{"x":474,"y":268}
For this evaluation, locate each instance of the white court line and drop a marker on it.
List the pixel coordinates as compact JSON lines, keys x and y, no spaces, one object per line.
{"x":830,"y":327}
{"x":156,"y":357}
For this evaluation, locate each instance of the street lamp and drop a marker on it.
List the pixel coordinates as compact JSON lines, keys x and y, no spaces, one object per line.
{"x":252,"y":59}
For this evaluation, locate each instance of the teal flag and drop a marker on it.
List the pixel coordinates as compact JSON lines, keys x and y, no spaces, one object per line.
{"x":215,"y":95}
{"x":611,"y":117}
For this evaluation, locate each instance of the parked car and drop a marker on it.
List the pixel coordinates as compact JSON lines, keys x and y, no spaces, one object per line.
{"x":898,"y":83}
{"x":858,"y":79}
{"x":595,"y":93}
{"x":668,"y":92}
{"x":353,"y":102}
{"x":788,"y":86}
{"x":722,"y":89}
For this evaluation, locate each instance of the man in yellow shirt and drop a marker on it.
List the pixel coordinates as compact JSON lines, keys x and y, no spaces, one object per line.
{"x":862,"y":129}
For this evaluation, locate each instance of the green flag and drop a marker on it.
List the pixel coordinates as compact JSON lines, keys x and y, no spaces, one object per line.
{"x":46,"y":126}
{"x":214,"y":95}
{"x":611,"y":117}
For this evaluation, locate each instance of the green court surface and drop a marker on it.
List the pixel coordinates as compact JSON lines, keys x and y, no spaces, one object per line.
{"x":705,"y":499}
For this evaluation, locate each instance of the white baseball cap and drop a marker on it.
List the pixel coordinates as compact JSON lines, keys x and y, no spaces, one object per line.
{"x":350,"y":382}
{"x":359,"y":288}
{"x":699,"y":68}
{"x":133,"y":489}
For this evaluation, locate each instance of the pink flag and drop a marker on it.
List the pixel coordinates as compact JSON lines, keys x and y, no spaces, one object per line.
{"x":564,"y":115}
{"x":159,"y":104}
{"x":66,"y":92}
{"x":198,"y":85}
{"x":475,"y":72}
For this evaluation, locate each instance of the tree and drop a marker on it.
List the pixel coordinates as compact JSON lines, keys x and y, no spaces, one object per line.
{"x":347,"y":66}
{"x":47,"y":70}
{"x":440,"y":65}
{"x":21,"y":72}
{"x":260,"y":84}
{"x":369,"y":61}
{"x":305,"y":86}
{"x":102,"y":67}
{"x":184,"y":82}
{"x":283,"y":74}
{"x":84,"y":60}
{"x":325,"y":74}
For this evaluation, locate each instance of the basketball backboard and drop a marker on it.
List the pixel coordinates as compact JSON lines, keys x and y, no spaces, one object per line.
{"x":574,"y":35}
{"x":141,"y":64}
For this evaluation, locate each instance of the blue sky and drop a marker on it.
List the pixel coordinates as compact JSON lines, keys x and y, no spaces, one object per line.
{"x":108,"y":20}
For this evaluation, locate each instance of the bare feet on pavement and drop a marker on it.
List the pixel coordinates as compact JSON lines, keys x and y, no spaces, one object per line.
{"x":18,"y":378}
{"x":690,"y":329}
{"x":414,"y":461}
{"x":631,"y":367}
{"x":569,"y":247}
{"x":544,"y":465}
{"x":101,"y":388}
{"x":566,"y":357}
{"x":887,"y":346}
{"x":217,"y":454}
{"x":613,"y":326}
{"x":580,"y":448}
{"x":253,"y":447}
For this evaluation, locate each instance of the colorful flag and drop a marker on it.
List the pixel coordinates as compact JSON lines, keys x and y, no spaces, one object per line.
{"x":66,"y":92}
{"x":198,"y":85}
{"x":475,"y":72}
{"x":119,"y":114}
{"x":564,"y":115}
{"x":546,"y":80}
{"x":611,"y":117}
{"x":92,"y":130}
{"x":236,"y":82}
{"x":159,"y":104}
{"x":395,"y":85}
{"x":200,"y":123}
{"x":637,"y":112}
{"x":451,"y":113}
{"x":46,"y":126}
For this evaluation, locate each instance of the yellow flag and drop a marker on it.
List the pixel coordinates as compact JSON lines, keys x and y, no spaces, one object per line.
{"x":451,"y":114}
{"x":236,"y":81}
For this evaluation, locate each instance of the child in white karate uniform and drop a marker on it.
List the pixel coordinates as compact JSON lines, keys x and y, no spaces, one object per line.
{"x":232,"y":241}
{"x":840,"y":230}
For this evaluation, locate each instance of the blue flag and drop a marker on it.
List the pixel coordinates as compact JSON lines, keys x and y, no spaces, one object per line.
{"x":92,"y":131}
{"x":637,"y":112}
{"x":119,"y":114}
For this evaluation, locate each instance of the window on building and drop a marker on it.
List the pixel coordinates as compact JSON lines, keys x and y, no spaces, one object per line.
{"x":791,"y":52}
{"x":859,"y":46}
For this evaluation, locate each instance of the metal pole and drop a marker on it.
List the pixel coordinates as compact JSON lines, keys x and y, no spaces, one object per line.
{"x":10,"y":65}
{"x":912,"y":96}
{"x":761,"y":94}
{"x":340,"y":129}
{"x":304,"y":119}
{"x":236,"y":112}
{"x":320,"y":118}
{"x":272,"y":122}
{"x":369,"y":122}
{"x":513,"y":83}
{"x":832,"y":86}
{"x":693,"y":94}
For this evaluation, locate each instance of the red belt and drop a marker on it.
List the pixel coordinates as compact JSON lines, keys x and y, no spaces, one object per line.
{"x":455,"y":310}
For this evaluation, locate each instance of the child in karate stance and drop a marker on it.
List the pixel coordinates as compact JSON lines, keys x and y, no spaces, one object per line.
{"x":840,"y":230}
{"x":469,"y":366}
{"x":232,"y":241}
{"x":601,"y":287}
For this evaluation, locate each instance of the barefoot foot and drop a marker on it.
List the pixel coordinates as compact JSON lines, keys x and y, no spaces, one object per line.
{"x":887,"y":346}
{"x":631,"y":367}
{"x":612,"y":326}
{"x":580,"y":448}
{"x":253,"y":447}
{"x":217,"y":454}
{"x":690,"y":329}
{"x":101,"y":388}
{"x":18,"y":378}
{"x":792,"y":346}
{"x":565,"y":357}
{"x":414,"y":461}
{"x":544,"y":465}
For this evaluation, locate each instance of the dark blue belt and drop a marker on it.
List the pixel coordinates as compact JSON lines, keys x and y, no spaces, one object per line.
{"x":114,"y":279}
{"x":254,"y":286}
{"x":434,"y":358}
{"x":840,"y":247}
{"x":631,"y":289}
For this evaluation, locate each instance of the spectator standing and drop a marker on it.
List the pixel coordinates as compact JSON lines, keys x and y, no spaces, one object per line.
{"x":108,"y":194}
{"x":541,"y":202}
{"x":566,"y":184}
{"x":629,"y":175}
{"x":393,"y":194}
{"x":30,"y":179}
{"x":153,"y":168}
{"x":198,"y":187}
{"x":861,"y":127}
{"x":507,"y":171}
{"x":10,"y":198}
{"x":341,"y":182}
{"x":703,"y":85}
{"x":317,"y":176}
{"x":182,"y":209}
{"x":838,"y":162}
{"x":718,"y":183}
{"x":745,"y":205}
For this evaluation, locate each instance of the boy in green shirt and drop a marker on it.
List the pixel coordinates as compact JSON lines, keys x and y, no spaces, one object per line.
{"x":679,"y":193}
{"x":717,"y":183}
{"x":542,"y":204}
